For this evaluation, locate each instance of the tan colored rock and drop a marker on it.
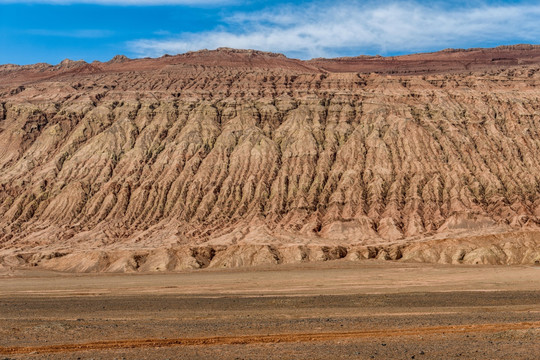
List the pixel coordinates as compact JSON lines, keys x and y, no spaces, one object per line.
{"x":238,"y":158}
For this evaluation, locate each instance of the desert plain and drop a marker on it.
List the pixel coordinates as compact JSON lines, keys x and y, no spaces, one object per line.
{"x":331,"y":310}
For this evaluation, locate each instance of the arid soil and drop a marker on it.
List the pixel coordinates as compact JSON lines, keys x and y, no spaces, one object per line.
{"x":336,"y":309}
{"x":233,"y":158}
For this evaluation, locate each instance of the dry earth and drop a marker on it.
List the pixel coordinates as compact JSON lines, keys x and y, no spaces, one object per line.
{"x":232,"y":158}
{"x":332,"y":310}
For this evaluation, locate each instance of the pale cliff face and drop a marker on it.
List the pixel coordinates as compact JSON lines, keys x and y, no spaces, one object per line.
{"x":234,"y":158}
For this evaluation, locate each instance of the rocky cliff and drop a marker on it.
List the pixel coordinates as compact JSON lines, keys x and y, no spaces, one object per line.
{"x":237,"y":157}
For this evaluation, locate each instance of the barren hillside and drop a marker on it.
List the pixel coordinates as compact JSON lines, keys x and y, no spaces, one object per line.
{"x":236,"y":157}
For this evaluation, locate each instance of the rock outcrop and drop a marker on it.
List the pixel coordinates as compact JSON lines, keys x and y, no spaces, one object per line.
{"x":238,"y":157}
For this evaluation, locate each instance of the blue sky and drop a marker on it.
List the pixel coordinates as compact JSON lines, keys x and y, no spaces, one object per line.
{"x":51,"y":30}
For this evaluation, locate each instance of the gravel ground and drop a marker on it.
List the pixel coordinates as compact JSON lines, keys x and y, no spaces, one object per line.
{"x":489,"y":323}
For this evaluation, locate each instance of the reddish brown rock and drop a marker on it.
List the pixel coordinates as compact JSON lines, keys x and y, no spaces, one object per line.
{"x":240,"y":157}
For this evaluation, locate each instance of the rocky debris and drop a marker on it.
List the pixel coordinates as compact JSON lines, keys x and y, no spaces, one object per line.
{"x":240,"y":157}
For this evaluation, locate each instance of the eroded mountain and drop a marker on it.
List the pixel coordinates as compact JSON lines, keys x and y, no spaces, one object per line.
{"x":238,"y":157}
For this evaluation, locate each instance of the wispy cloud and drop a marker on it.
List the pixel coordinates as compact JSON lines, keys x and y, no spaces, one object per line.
{"x":332,"y":29}
{"x":120,"y":2}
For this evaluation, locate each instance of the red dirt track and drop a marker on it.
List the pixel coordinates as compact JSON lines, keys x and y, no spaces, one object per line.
{"x":267,"y":339}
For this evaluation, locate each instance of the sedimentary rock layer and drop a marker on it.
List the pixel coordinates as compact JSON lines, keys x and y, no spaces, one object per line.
{"x":232,"y":158}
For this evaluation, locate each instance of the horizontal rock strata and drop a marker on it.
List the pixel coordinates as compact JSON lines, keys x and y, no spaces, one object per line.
{"x":234,"y":158}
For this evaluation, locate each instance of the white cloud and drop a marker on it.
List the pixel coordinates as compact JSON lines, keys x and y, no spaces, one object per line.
{"x":324,"y":29}
{"x":120,"y":2}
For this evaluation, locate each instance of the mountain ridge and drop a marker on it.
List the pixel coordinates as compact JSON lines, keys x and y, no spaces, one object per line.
{"x":422,"y":63}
